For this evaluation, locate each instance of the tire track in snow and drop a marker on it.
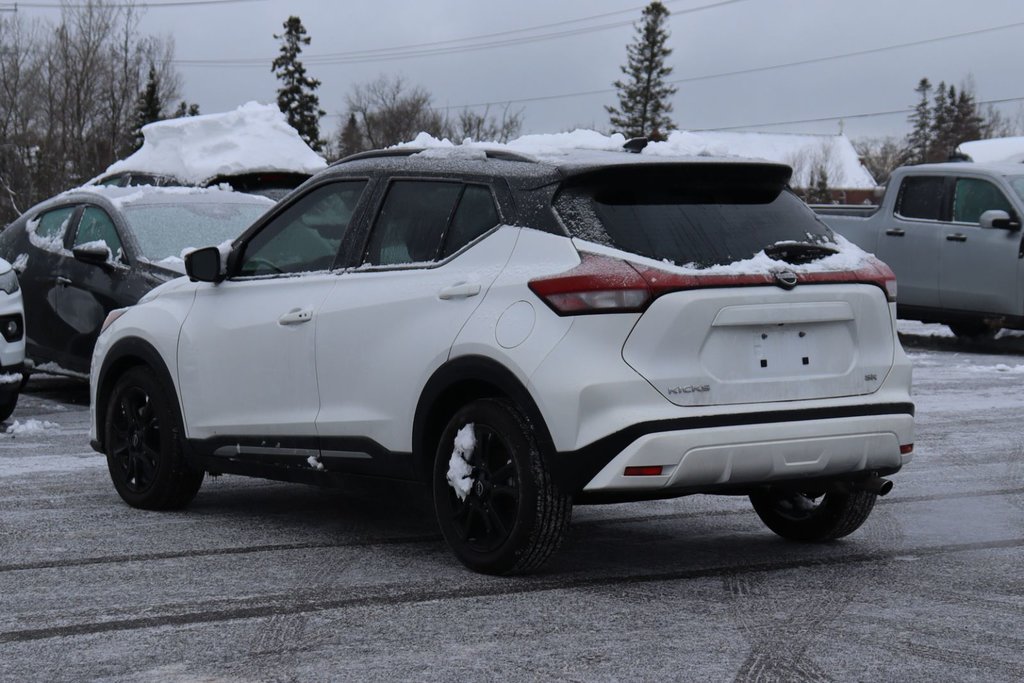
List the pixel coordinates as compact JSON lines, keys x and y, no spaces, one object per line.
{"x":287,"y":604}
{"x":435,"y":538}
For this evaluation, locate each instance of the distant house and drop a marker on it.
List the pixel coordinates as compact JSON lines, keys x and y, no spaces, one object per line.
{"x":849,"y":182}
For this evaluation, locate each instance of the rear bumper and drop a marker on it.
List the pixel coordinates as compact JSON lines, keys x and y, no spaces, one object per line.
{"x":736,"y":451}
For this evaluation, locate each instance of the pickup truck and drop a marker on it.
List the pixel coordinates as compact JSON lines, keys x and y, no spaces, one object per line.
{"x":952,"y":234}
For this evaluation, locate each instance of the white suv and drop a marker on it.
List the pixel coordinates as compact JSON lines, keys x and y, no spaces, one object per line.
{"x":522,"y":334}
{"x":12,"y":339}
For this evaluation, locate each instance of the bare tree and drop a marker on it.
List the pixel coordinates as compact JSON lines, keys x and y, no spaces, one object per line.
{"x":484,"y":127}
{"x":881,"y":156}
{"x":389,"y":111}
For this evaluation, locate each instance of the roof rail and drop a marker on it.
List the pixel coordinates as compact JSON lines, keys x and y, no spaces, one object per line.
{"x":500,"y":154}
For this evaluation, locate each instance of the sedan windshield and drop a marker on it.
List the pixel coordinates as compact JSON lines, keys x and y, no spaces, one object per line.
{"x":165,"y":230}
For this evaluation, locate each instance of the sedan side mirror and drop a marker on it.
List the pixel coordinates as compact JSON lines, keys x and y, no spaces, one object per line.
{"x":203,"y":265}
{"x":997,"y":218}
{"x":93,"y":253}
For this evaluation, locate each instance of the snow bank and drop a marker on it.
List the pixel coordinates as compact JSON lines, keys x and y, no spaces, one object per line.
{"x":460,"y":474}
{"x":802,"y":152}
{"x":31,"y":426}
{"x":251,"y":139}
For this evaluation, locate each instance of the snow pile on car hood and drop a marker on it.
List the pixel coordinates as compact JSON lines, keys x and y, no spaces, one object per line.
{"x":255,"y":138}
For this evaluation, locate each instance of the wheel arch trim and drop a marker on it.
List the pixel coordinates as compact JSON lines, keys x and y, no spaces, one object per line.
{"x":490,"y":378}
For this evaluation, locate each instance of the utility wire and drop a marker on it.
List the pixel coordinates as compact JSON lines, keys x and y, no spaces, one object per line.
{"x":845,"y":117}
{"x":138,"y":5}
{"x":739,"y":72}
{"x":478,"y":42}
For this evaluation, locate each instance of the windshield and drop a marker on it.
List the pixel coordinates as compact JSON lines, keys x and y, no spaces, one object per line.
{"x":165,"y":230}
{"x":703,"y":222}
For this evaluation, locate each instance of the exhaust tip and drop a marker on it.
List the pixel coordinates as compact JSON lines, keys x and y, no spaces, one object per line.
{"x":875,"y":484}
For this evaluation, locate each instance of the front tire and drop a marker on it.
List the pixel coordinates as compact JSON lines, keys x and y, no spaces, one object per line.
{"x":814,"y":516}
{"x":7,"y":405}
{"x":976,"y":331}
{"x":511,"y":516}
{"x":143,"y":442}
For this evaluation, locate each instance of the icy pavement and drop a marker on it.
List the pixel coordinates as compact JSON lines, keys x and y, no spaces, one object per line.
{"x":265,"y":581}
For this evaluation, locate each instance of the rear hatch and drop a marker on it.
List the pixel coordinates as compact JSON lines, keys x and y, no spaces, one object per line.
{"x":751,"y":298}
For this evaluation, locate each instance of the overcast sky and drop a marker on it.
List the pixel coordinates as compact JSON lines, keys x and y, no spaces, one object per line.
{"x":216,"y":38}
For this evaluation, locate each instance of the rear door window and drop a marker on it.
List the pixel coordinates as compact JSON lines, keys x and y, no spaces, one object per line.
{"x":922,"y":198}
{"x":412,"y":222}
{"x":698,"y":217}
{"x":48,"y":230}
{"x":476,"y":215}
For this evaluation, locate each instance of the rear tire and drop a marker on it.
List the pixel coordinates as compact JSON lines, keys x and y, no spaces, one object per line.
{"x":813,"y":516}
{"x":513,"y":516}
{"x":143,"y":441}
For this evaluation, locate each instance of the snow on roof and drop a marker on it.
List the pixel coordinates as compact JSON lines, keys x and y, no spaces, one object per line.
{"x":255,"y":138}
{"x":148,"y":194}
{"x":804,"y":153}
{"x":995,"y":149}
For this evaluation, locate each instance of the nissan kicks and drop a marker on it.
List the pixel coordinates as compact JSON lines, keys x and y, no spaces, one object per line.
{"x":521,"y":333}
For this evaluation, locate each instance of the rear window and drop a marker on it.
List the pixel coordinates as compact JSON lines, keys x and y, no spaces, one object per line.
{"x":701,"y":217}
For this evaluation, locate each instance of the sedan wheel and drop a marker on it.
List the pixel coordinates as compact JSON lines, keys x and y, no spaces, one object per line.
{"x":497,"y":507}
{"x":143,"y":445}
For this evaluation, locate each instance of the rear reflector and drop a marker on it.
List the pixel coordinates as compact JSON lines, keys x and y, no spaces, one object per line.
{"x":906,"y":448}
{"x":644,"y":471}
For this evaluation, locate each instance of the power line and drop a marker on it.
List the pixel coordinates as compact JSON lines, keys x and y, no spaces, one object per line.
{"x":739,"y":72}
{"x":477,"y":42}
{"x":140,"y":5}
{"x":846,"y":117}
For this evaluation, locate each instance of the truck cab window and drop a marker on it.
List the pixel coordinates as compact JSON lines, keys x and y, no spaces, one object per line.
{"x":921,"y":197}
{"x":974,"y":197}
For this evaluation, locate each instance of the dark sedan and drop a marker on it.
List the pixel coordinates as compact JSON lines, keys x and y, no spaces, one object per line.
{"x":89,"y":251}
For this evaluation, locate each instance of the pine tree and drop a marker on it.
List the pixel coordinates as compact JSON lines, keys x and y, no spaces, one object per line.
{"x":644,"y":105}
{"x":297,"y":97}
{"x":918,"y":142}
{"x":186,"y":109}
{"x":149,"y":108}
{"x":350,"y":140}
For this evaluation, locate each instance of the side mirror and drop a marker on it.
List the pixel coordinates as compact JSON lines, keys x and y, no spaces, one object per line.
{"x":203,"y":265}
{"x":93,"y":253}
{"x":997,"y":218}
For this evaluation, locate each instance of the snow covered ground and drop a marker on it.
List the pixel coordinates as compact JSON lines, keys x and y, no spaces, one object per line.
{"x":266,"y":581}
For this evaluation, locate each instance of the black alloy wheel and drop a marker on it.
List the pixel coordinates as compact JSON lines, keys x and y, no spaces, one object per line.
{"x":143,"y":445}
{"x":512,"y":517}
{"x":816,"y":515}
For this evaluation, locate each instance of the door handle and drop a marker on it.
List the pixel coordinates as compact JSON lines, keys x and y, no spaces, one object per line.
{"x":61,"y":280}
{"x":956,"y":237}
{"x":896,"y":232}
{"x":296,"y":316}
{"x":462,"y":290}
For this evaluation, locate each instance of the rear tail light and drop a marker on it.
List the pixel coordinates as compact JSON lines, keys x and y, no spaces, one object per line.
{"x":599,"y":284}
{"x":906,"y":448}
{"x":604,"y":284}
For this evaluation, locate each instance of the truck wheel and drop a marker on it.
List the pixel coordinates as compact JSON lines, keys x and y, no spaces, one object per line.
{"x":496,"y":504}
{"x":813,"y":516}
{"x":143,"y":442}
{"x":975,"y":330}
